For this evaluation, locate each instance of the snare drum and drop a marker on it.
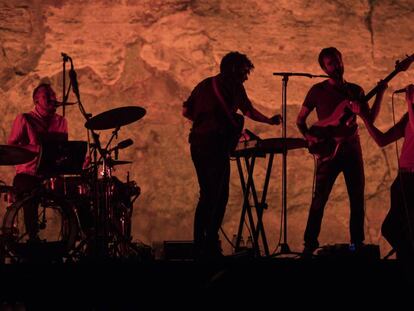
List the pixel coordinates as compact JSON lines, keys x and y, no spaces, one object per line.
{"x":71,"y":187}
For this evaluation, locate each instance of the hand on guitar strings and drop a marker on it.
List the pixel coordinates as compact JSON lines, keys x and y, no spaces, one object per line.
{"x":359,"y":108}
{"x":381,"y":86}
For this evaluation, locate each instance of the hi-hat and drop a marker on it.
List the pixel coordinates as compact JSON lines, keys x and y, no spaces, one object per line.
{"x":14,"y":155}
{"x":115,"y":162}
{"x":115,"y":118}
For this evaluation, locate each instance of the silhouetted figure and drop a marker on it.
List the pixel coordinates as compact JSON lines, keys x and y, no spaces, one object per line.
{"x":325,"y":97}
{"x":212,"y":107}
{"x":29,"y":131}
{"x":398,"y":226}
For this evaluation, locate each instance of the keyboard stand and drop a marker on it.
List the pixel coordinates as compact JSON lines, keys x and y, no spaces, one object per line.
{"x":249,"y":187}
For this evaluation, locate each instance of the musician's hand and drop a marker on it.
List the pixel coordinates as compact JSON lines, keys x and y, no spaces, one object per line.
{"x":275,"y":120}
{"x":382,"y":86}
{"x":311,"y":139}
{"x":359,"y":108}
{"x":409,"y":94}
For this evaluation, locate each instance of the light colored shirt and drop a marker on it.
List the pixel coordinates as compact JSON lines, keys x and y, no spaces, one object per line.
{"x":30,"y":130}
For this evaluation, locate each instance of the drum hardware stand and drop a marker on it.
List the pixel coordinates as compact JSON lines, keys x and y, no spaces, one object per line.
{"x":65,"y":94}
{"x":284,"y":247}
{"x":103,"y":211}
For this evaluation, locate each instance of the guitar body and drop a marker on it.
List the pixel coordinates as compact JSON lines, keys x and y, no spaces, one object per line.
{"x":330,"y":132}
{"x":325,"y":149}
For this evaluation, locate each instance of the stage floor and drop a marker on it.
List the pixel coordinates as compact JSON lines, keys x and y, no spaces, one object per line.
{"x":131,"y":285}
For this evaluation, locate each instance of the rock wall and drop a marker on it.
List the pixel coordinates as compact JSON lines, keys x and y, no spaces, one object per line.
{"x":151,"y":53}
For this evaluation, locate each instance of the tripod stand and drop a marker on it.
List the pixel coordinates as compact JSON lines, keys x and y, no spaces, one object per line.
{"x":284,"y":246}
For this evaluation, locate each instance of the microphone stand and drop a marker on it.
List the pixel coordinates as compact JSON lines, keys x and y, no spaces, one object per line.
{"x":65,"y":94}
{"x":104,"y":228}
{"x":284,"y":247}
{"x":98,"y":213}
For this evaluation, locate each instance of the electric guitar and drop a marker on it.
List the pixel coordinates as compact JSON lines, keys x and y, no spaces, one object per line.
{"x":330,"y":131}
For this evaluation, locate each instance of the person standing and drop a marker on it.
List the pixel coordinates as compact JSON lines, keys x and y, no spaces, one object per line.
{"x":216,"y":128}
{"x":325,"y":97}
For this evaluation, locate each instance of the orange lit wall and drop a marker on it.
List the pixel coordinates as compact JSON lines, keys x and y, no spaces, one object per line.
{"x":151,"y":53}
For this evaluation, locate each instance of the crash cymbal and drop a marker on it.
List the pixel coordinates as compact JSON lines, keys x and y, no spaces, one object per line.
{"x":115,"y":118}
{"x":14,"y":155}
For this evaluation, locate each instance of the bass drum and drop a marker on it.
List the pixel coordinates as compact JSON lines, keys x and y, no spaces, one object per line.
{"x":58,"y":230}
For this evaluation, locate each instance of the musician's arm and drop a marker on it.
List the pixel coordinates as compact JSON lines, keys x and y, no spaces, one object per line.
{"x":251,"y":112}
{"x":256,"y":115}
{"x":382,"y":86}
{"x":393,"y":134}
{"x":188,"y":105}
{"x":409,"y":98}
{"x":301,"y":122}
{"x":18,"y":135}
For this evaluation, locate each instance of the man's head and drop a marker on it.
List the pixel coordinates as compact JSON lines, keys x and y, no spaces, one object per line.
{"x":330,"y":60}
{"x":236,"y":66}
{"x":45,"y":99}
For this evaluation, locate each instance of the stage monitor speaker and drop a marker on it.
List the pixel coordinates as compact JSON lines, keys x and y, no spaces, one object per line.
{"x":347,"y":251}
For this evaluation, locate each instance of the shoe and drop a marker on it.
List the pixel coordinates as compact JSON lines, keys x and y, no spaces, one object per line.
{"x":307,"y":252}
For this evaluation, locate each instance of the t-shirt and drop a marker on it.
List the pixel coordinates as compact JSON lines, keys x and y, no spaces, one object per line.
{"x":206,"y":110}
{"x":325,"y":97}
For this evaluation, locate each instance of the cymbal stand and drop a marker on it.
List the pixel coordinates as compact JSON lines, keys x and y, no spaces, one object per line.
{"x":105,"y":231}
{"x":284,"y":247}
{"x":99,"y":243}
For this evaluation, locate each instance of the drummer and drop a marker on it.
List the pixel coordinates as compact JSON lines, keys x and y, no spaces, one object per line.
{"x":30,"y":130}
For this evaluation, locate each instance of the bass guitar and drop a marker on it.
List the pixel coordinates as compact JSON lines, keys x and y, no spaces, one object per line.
{"x":329,"y":131}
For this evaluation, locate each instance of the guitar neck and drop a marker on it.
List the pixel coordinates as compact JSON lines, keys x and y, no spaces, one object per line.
{"x":375,"y":89}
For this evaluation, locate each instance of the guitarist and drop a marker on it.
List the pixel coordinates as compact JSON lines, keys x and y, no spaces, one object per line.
{"x":325,"y":97}
{"x":398,"y":226}
{"x":216,"y":129}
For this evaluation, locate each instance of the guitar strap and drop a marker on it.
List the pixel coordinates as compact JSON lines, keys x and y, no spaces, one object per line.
{"x":223,"y":102}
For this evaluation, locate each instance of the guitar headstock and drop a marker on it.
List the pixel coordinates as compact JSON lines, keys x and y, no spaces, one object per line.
{"x":404,"y":64}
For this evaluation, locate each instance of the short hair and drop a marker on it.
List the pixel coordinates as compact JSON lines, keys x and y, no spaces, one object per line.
{"x":234,"y":61}
{"x":328,"y":52}
{"x":37,"y":88}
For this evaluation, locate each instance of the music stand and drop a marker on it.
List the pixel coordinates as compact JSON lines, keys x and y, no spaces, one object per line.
{"x":62,"y":158}
{"x":284,"y":247}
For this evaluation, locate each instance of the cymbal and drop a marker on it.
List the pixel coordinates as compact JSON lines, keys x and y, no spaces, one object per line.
{"x":14,"y":155}
{"x":115,"y":118}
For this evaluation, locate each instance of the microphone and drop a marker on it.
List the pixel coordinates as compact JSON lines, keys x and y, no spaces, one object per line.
{"x":403,"y":90}
{"x":65,"y":56}
{"x":74,"y":81}
{"x":59,"y":103}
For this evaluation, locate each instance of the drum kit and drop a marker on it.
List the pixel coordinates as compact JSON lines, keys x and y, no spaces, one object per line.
{"x":83,"y":210}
